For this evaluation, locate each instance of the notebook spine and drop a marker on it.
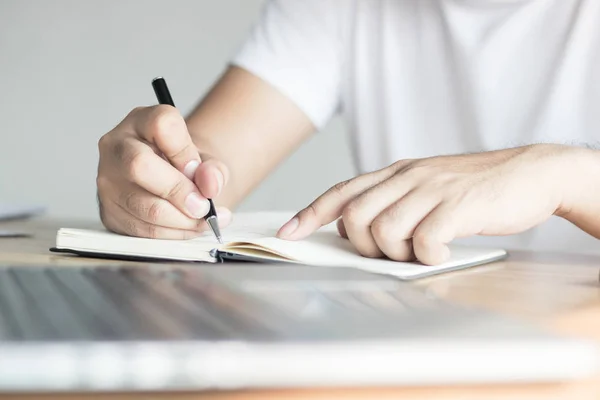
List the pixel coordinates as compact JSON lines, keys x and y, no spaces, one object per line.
{"x":216,"y":254}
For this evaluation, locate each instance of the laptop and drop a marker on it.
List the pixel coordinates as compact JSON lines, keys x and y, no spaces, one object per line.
{"x":160,"y":327}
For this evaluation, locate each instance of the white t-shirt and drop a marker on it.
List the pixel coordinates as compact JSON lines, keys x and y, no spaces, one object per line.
{"x":418,"y":78}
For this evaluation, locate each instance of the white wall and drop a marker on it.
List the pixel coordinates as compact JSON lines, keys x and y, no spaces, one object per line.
{"x":70,"y":70}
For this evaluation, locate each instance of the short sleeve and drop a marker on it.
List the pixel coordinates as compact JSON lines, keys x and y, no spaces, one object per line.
{"x":297,"y":47}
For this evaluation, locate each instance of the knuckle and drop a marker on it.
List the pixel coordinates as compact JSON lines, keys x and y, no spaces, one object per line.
{"x":434,"y":174}
{"x":131,"y":227}
{"x":138,"y":228}
{"x":388,"y":240}
{"x":133,"y":115}
{"x":339,"y":188}
{"x":181,"y":151}
{"x":102,"y":184}
{"x":135,"y":111}
{"x":354,"y":214}
{"x":117,"y":149}
{"x":175,"y":190}
{"x":152,"y":231}
{"x":309,"y":212}
{"x":104,"y":142}
{"x":133,"y":203}
{"x":396,"y":213}
{"x":154,"y":212}
{"x":162,"y":120}
{"x":113,"y":148}
{"x":137,"y":165}
{"x":381,"y":230}
{"x":421,"y":169}
{"x":423,"y":239}
{"x":401,"y":164}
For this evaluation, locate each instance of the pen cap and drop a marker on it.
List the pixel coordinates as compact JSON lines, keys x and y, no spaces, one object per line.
{"x":162,"y":91}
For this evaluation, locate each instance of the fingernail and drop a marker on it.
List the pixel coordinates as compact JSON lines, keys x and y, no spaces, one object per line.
{"x":220,"y":181}
{"x":196,"y":205}
{"x":190,"y":169}
{"x":289,"y":228}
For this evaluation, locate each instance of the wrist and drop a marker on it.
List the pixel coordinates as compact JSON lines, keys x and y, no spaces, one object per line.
{"x":578,"y":173}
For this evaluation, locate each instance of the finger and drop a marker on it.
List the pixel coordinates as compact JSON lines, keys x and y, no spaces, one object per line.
{"x":120,"y":221}
{"x":404,"y":248}
{"x":149,"y":171}
{"x":155,"y":210}
{"x":341,"y":228}
{"x":401,"y":250}
{"x":165,"y":127}
{"x":394,"y":227}
{"x":328,"y":207}
{"x":360,"y":213}
{"x":433,"y":233}
{"x":210,"y":178}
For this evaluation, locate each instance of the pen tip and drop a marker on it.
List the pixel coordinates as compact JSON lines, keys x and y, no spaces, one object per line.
{"x":157,"y":78}
{"x":214,"y":226}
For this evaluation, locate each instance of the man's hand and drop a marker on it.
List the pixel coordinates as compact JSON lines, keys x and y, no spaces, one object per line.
{"x":414,"y":208}
{"x":151,"y":180}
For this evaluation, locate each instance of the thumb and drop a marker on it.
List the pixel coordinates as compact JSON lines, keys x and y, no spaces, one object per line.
{"x":211,"y":176}
{"x":164,"y":127}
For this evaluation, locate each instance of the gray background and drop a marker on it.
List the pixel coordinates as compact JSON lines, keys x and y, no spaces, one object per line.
{"x":71,"y":70}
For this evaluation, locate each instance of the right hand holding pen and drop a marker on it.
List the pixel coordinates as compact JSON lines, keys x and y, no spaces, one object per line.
{"x":151,"y":180}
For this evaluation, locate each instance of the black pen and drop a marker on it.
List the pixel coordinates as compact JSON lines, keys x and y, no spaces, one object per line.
{"x":164,"y":97}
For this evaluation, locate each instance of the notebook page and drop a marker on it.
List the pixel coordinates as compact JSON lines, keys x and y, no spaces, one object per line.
{"x":249,"y":226}
{"x":326,"y":248}
{"x":105,"y":242}
{"x":245,"y":227}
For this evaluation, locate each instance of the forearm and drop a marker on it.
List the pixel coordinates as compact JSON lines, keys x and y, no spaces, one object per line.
{"x":581,"y":200}
{"x":249,"y":126}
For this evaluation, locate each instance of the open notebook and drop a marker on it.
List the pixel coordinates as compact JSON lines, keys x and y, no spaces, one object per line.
{"x":251,"y":237}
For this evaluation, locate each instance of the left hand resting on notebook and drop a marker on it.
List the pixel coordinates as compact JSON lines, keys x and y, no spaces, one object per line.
{"x":413,"y":208}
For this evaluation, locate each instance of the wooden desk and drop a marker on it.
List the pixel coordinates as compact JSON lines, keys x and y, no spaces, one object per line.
{"x":558,"y":291}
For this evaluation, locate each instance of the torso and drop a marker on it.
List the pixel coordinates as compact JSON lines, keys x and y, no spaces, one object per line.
{"x":432,"y":77}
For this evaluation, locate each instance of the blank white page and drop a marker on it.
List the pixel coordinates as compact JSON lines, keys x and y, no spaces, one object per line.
{"x":329,"y":249}
{"x":326,"y":248}
{"x":246,"y":227}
